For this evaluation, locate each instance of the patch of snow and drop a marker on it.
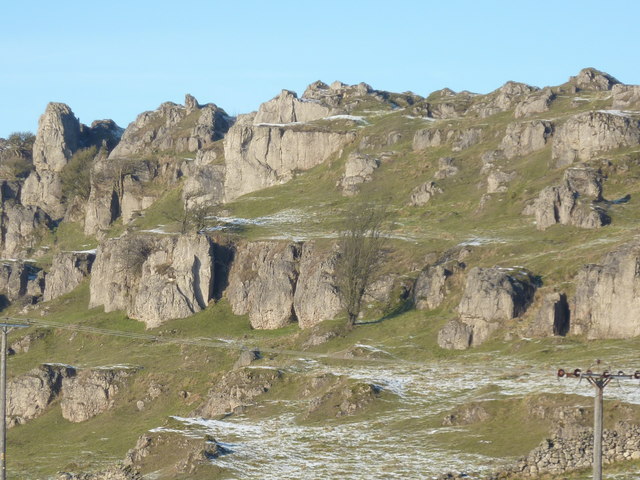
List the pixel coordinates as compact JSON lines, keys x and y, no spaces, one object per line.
{"x":278,"y":124}
{"x":92,"y":250}
{"x":426,"y":119}
{"x":157,"y":231}
{"x":353,"y":118}
{"x":618,"y":113}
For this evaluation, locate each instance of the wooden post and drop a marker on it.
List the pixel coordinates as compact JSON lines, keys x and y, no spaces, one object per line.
{"x":597,"y":430}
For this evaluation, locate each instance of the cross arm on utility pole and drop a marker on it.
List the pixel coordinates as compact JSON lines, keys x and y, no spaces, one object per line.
{"x":599,"y":380}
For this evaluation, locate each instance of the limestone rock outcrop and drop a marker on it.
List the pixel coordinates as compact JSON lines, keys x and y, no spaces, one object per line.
{"x":626,"y":97}
{"x":574,"y":202}
{"x":262,"y":283}
{"x":316,"y":295}
{"x":153,"y":278}
{"x":423,"y":193}
{"x":491,"y":296}
{"x":606,"y":299}
{"x":446,"y":168}
{"x":172,"y":127}
{"x":588,"y":134}
{"x":523,"y":138}
{"x":287,"y":108}
{"x":91,"y":392}
{"x":553,"y":317}
{"x":67,"y":271}
{"x":358,"y":170}
{"x":497,"y":181}
{"x":237,"y":389}
{"x":455,"y":335}
{"x":436,"y":137}
{"x":258,"y":157}
{"x":29,"y":395}
{"x":534,"y":103}
{"x":592,"y":79}
{"x":504,"y":98}
{"x":430,"y":288}
{"x":204,"y":183}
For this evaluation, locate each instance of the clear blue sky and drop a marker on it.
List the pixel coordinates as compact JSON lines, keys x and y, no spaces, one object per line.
{"x":117,"y":59}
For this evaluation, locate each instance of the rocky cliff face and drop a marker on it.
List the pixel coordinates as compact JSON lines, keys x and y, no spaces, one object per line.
{"x":287,"y":108}
{"x":585,"y":135}
{"x":524,"y":138}
{"x":153,"y":279}
{"x":606,"y":300}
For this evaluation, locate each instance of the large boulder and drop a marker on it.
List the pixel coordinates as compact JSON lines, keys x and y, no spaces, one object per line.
{"x":423,"y":193}
{"x":67,"y":271}
{"x":534,"y":103}
{"x":553,"y":317}
{"x":606,"y":301}
{"x":430,"y":288}
{"x":574,"y":202}
{"x":21,"y":227}
{"x":585,"y":135}
{"x":592,"y":79}
{"x":626,"y":97}
{"x":504,"y":98}
{"x":262,"y":283}
{"x":29,"y":395}
{"x":523,"y":138}
{"x":91,"y":392}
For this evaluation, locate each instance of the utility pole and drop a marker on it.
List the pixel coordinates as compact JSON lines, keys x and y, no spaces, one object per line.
{"x":5,"y":327}
{"x":599,"y":381}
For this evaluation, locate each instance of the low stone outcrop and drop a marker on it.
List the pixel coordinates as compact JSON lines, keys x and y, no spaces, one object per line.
{"x":585,"y":135}
{"x":446,"y":168}
{"x":91,"y":392}
{"x":67,"y":271}
{"x":29,"y":395}
{"x":358,"y":170}
{"x":491,"y":296}
{"x":577,"y":201}
{"x":430,"y":288}
{"x":153,"y":278}
{"x":287,"y":108}
{"x":115,"y":472}
{"x":497,"y":181}
{"x":333,"y":396}
{"x":236,"y":390}
{"x":606,"y":299}
{"x":626,"y":97}
{"x":20,"y":226}
{"x":316,"y":295}
{"x":534,"y":103}
{"x":172,"y":127}
{"x":421,"y":195}
{"x":524,"y":138}
{"x":262,"y":283}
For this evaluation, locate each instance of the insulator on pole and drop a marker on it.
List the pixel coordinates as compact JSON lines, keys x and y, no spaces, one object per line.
{"x":561,"y":372}
{"x":577,"y":372}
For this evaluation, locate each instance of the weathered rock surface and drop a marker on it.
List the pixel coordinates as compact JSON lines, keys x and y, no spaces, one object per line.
{"x":316,"y":295}
{"x":332,"y":396}
{"x":153,"y":278}
{"x":258,"y":157}
{"x":534,"y":103}
{"x":592,"y":79}
{"x":358,"y":170}
{"x":67,"y":271}
{"x":524,"y":138}
{"x":503,"y":99}
{"x":237,"y":389}
{"x":30,"y":394}
{"x":20,"y":226}
{"x":262,"y":283}
{"x":574,"y":202}
{"x":467,"y":414}
{"x":553,"y":317}
{"x":91,"y":392}
{"x":446,"y":168}
{"x":626,"y":97}
{"x":175,"y":128}
{"x":423,"y":193}
{"x":14,"y":279}
{"x":588,"y":134}
{"x":606,"y":299}
{"x":115,"y":472}
{"x":430,"y":288}
{"x":455,"y":335}
{"x":497,"y":181}
{"x":287,"y":108}
{"x":436,"y":137}
{"x":204,"y":185}
{"x":491,"y":296}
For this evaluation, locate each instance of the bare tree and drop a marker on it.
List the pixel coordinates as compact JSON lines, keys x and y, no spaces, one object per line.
{"x":360,"y":254}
